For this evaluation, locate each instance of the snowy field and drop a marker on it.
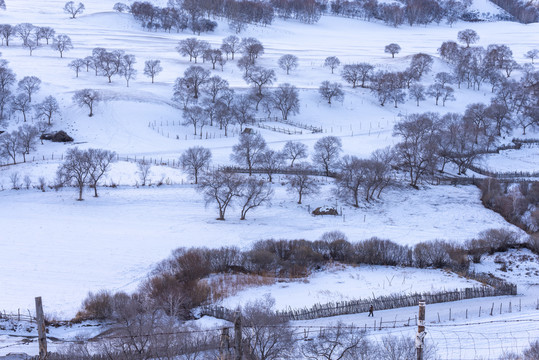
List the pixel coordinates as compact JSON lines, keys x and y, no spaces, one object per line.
{"x":55,"y":247}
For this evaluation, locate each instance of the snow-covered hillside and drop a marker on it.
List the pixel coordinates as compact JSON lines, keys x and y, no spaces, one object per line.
{"x":56,"y":247}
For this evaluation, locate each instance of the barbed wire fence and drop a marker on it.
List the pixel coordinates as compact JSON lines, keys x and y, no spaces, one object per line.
{"x":487,"y":338}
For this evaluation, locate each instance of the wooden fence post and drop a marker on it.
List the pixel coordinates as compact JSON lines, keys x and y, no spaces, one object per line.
{"x":224,"y":345}
{"x":419,"y":340}
{"x":41,"y":330}
{"x":237,"y":336}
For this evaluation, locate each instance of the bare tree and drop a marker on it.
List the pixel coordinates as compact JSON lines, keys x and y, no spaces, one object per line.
{"x":196,"y":116}
{"x":7,"y":31}
{"x":77,"y":65}
{"x":5,"y":101}
{"x":195,"y":76}
{"x":24,"y":31}
{"x":121,"y":7}
{"x":7,"y":78}
{"x":267,"y":337}
{"x":21,"y":103}
{"x":416,"y":153}
{"x":326,"y":152}
{"x":152,"y":68}
{"x":294,"y":150}
{"x":253,"y":193}
{"x":192,"y":47}
{"x":251,"y":48}
{"x":127,"y":67}
{"x":214,"y":87}
{"x":195,"y":159}
{"x":46,"y":33}
{"x":392,"y":49}
{"x":47,"y":108}
{"x":75,"y":169}
{"x":457,"y":143}
{"x":285,"y":98}
{"x":421,"y":64}
{"x":333,"y":344}
{"x":72,"y":9}
{"x":329,"y":90}
{"x":248,"y":151}
{"x":244,"y":64}
{"x":108,"y":63}
{"x":220,"y":187}
{"x":27,"y":139}
{"x":271,"y":161}
{"x":62,"y":43}
{"x":224,"y":115}
{"x":350,"y":178}
{"x":532,"y":54}
{"x":288,"y":62}
{"x":182,"y":93}
{"x":31,"y":45}
{"x":417,"y":92}
{"x":231,"y":45}
{"x":259,"y":77}
{"x":87,"y":97}
{"x":357,"y":73}
{"x":144,"y":168}
{"x":9,"y":145}
{"x":468,"y":36}
{"x":443,"y":78}
{"x":301,"y":183}
{"x":501,"y":116}
{"x":99,"y":163}
{"x":332,"y":62}
{"x":242,"y":110}
{"x":29,"y":85}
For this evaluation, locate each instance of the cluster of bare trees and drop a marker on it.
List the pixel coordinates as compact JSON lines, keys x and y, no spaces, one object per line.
{"x":521,"y":11}
{"x":84,"y":167}
{"x":32,"y":37}
{"x":413,"y":12}
{"x":515,"y":101}
{"x":356,"y":178}
{"x":257,"y":333}
{"x":19,"y":142}
{"x":113,"y":63}
{"x":21,"y":100}
{"x":208,"y":100}
{"x":178,"y":15}
{"x":195,"y":15}
{"x":430,"y":141}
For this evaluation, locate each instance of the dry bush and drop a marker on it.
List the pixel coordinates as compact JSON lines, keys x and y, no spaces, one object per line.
{"x":533,"y":243}
{"x":532,"y":353}
{"x":441,"y":254}
{"x":499,"y":239}
{"x":477,"y":248}
{"x":490,"y":189}
{"x":193,"y":264}
{"x":166,"y":293}
{"x":225,"y":285}
{"x":376,"y":251}
{"x":261,"y":261}
{"x":98,"y":306}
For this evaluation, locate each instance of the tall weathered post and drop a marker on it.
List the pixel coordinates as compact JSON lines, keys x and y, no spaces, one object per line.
{"x":237,"y":336}
{"x":41,"y":330}
{"x":420,"y":336}
{"x":224,"y":346}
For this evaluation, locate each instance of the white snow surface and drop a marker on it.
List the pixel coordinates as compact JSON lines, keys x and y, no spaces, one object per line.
{"x":58,"y":248}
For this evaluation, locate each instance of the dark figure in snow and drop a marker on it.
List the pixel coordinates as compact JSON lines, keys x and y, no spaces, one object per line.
{"x":371,"y":311}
